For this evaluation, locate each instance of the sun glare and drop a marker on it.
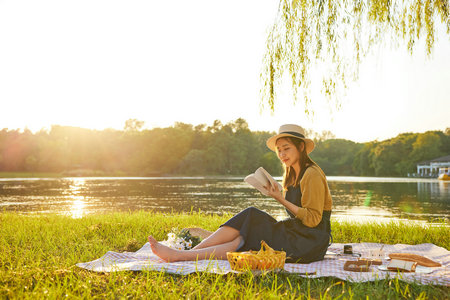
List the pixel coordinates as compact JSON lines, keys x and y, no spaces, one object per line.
{"x":78,"y":201}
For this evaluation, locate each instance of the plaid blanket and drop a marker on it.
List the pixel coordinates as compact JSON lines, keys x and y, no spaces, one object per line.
{"x":144,"y":259}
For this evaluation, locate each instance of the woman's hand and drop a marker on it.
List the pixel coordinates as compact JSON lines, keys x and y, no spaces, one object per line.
{"x":274,"y":192}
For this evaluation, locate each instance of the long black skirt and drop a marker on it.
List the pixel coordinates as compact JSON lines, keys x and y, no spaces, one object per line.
{"x":301,"y":243}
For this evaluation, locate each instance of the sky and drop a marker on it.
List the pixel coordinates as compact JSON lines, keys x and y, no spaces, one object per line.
{"x":95,"y":64}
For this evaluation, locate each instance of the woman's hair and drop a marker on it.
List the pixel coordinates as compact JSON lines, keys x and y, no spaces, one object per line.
{"x":289,"y":173}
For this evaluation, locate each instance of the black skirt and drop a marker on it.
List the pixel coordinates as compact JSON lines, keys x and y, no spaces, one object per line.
{"x":301,"y":243}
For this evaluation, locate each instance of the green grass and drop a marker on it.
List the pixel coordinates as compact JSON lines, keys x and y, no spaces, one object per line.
{"x":38,"y":256}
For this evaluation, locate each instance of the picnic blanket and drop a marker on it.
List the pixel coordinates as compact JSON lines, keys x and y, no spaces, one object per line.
{"x":145,"y":259}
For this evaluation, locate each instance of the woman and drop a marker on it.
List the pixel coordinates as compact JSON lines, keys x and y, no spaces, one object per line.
{"x":305,"y":235}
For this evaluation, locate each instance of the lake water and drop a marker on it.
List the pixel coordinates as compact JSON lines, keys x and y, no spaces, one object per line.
{"x":354,"y":198}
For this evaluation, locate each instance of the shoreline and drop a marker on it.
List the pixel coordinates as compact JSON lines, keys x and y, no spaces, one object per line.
{"x":123,"y":175}
{"x":343,"y":219}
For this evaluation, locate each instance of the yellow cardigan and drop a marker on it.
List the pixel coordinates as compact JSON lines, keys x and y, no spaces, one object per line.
{"x":316,"y":196}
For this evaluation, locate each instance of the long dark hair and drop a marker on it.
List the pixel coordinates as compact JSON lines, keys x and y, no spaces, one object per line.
{"x":305,"y":160}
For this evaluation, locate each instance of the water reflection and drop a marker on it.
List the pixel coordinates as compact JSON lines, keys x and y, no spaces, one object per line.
{"x":73,"y":194}
{"x":434,"y":190}
{"x":363,"y":214}
{"x":356,"y":199}
{"x":76,"y":210}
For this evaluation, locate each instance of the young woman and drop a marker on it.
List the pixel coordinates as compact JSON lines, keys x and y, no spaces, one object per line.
{"x":305,"y":235}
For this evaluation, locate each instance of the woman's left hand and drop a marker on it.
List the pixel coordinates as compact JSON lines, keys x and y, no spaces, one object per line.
{"x":274,"y":192}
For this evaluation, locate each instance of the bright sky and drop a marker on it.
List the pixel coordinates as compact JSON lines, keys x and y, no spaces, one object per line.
{"x":97,"y":63}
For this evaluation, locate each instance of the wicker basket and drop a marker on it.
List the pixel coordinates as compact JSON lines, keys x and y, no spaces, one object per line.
{"x":264,"y":259}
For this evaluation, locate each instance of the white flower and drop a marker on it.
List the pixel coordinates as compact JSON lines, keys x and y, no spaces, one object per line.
{"x":176,"y":242}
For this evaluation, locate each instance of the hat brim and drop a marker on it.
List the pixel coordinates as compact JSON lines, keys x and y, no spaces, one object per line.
{"x":271,"y":142}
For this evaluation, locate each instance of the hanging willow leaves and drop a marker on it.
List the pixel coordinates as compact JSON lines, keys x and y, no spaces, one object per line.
{"x":329,"y":38}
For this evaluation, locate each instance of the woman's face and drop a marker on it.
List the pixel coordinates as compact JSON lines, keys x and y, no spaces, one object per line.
{"x":287,"y":152}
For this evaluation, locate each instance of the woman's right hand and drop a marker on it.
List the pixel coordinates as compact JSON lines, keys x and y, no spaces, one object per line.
{"x":274,"y":192}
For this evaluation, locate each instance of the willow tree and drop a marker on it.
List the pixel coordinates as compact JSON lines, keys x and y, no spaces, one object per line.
{"x":328,"y":39}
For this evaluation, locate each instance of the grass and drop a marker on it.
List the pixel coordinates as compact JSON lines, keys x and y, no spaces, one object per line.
{"x":39,"y":253}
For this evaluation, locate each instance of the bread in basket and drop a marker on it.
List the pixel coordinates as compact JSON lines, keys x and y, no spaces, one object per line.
{"x":264,"y":259}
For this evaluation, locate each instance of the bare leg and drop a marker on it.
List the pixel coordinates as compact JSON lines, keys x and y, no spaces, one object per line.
{"x":170,"y":255}
{"x":222,"y":235}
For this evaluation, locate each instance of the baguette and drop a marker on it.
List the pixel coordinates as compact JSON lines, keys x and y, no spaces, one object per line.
{"x":420,"y":260}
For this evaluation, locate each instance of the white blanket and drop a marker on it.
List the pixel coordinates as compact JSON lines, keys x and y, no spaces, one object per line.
{"x":144,"y":259}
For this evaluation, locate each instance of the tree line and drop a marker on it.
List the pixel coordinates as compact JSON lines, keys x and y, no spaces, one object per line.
{"x":218,"y":149}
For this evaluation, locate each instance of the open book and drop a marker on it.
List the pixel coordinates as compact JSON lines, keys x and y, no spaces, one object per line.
{"x":402,"y":265}
{"x":261,"y":178}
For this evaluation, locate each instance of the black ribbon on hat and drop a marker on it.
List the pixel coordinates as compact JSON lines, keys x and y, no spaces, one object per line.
{"x":294,"y":133}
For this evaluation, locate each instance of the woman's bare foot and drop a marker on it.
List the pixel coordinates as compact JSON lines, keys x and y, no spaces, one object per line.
{"x":166,"y":253}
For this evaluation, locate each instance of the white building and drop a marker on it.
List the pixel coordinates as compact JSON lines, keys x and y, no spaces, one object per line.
{"x":435,"y":167}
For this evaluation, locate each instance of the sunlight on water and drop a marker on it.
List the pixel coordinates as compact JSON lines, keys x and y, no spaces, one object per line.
{"x":78,"y":203}
{"x":359,"y":199}
{"x":77,"y":185}
{"x":364,"y":214}
{"x":77,"y":208}
{"x":383,"y":220}
{"x":378,"y":179}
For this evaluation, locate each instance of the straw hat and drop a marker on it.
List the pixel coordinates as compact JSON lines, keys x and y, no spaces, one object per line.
{"x":290,"y":130}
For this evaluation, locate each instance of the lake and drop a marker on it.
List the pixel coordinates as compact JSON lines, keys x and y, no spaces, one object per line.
{"x":354,"y":198}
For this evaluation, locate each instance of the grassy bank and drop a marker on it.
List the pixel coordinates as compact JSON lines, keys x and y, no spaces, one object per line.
{"x":39,"y":253}
{"x":72,"y":173}
{"x":78,"y":173}
{"x":29,"y":175}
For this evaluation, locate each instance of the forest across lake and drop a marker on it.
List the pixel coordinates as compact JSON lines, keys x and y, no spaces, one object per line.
{"x":219,"y":149}
{"x":354,"y":198}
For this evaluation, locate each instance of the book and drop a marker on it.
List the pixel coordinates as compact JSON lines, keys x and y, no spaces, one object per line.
{"x":262,"y":178}
{"x":402,"y":265}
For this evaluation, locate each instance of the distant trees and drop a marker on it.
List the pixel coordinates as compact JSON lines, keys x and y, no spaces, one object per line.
{"x":228,"y":149}
{"x":133,"y":125}
{"x":398,"y":156}
{"x":336,"y":156}
{"x":221,"y":149}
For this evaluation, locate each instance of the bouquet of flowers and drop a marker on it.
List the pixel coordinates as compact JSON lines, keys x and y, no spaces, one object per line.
{"x":182,"y":240}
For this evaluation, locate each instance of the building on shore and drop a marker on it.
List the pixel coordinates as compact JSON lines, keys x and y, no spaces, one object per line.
{"x":433,"y":168}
